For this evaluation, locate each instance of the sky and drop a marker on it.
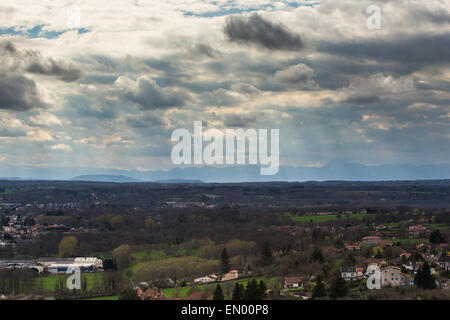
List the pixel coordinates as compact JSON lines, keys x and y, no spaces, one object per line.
{"x":108,"y":89}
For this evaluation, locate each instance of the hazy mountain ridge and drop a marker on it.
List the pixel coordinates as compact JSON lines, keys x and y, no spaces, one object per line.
{"x":335,"y":170}
{"x":105,"y":178}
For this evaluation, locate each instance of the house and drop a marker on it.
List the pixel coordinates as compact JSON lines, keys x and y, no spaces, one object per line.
{"x":206,"y":279}
{"x":384,"y":243}
{"x":9,"y":230}
{"x":359,"y":272}
{"x":371,"y":240}
{"x":348,"y":273}
{"x":409,"y":281}
{"x":232,"y":275}
{"x":352,"y":247}
{"x":293,"y":282}
{"x":444,"y":263}
{"x":416,"y":231}
{"x":392,"y":277}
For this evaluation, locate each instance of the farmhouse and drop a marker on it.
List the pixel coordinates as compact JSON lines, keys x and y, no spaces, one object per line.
{"x":206,"y":279}
{"x":392,"y":277}
{"x":359,"y":272}
{"x":232,"y":275}
{"x":352,"y":247}
{"x":348,"y":273}
{"x":371,"y":240}
{"x":293,"y":282}
{"x":416,"y":231}
{"x":444,"y":263}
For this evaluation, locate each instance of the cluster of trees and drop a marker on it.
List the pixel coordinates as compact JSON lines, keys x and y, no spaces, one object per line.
{"x":437,"y":237}
{"x":337,"y":289}
{"x":423,"y":278}
{"x":17,"y":282}
{"x":253,"y":291}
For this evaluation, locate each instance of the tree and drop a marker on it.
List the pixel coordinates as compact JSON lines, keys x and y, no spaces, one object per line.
{"x":116,"y":222}
{"x":255,"y":290}
{"x":108,"y":264}
{"x":218,"y":293}
{"x":251,"y":291}
{"x":150,"y":225}
{"x":319,"y":288}
{"x":225,"y":261}
{"x":128,"y":294}
{"x":424,"y":279}
{"x":338,"y":288}
{"x":266,"y":253}
{"x":378,"y":252}
{"x":436,"y":237}
{"x":83,"y":283}
{"x":317,"y":255}
{"x":67,"y":246}
{"x":262,"y":288}
{"x":238,"y":292}
{"x":122,"y":256}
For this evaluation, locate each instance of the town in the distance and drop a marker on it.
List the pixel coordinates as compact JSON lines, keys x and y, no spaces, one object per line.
{"x":243,"y":241}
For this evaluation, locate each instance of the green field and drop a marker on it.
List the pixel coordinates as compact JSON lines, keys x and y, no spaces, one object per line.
{"x":7,"y":191}
{"x":48,"y":283}
{"x":105,"y":298}
{"x":412,"y":240}
{"x":441,"y":226}
{"x":149,"y":255}
{"x":325,"y":218}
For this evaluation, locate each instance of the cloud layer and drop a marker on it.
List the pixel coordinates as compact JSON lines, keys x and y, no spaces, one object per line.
{"x":108,"y":92}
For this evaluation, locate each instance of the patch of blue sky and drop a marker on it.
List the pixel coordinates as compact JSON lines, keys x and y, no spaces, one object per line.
{"x":37,"y":32}
{"x":232,"y":8}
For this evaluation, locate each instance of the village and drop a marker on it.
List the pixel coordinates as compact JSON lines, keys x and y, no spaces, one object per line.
{"x":203,"y":242}
{"x":398,"y":261}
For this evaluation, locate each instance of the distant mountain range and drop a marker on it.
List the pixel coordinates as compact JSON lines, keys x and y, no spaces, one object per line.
{"x":123,"y":179}
{"x":335,"y":170}
{"x":105,"y":178}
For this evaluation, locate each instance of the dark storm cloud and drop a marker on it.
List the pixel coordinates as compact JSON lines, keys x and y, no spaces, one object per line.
{"x":30,"y":61}
{"x":435,"y":17}
{"x":18,"y":93}
{"x":256,"y":30}
{"x":58,"y":69}
{"x":414,"y":51}
{"x":146,"y":121}
{"x":150,"y":96}
{"x":238,"y":121}
{"x":361,"y":99}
